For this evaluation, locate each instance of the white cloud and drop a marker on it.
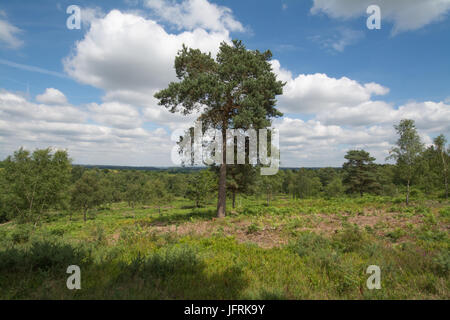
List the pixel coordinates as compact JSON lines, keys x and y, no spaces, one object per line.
{"x":345,"y":116}
{"x":9,"y":33}
{"x":128,"y":52}
{"x":52,"y":96}
{"x":15,"y":108}
{"x":193,"y":14}
{"x":90,"y":14}
{"x":23,"y":123}
{"x":117,"y":115}
{"x":429,"y":116}
{"x":315,"y":93}
{"x":404,"y":14}
{"x":343,"y":38}
{"x":131,"y":57}
{"x":314,"y":144}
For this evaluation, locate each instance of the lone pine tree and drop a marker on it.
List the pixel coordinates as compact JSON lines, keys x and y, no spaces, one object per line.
{"x":237,"y":89}
{"x":360,"y":172}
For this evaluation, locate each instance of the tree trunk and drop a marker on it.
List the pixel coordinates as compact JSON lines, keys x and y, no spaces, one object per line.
{"x":407,"y":193}
{"x":446,"y":186}
{"x":222,"y":199}
{"x":445,"y":174}
{"x":85,"y":215}
{"x":234,"y":198}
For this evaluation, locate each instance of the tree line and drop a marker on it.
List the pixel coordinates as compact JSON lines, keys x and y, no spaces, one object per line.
{"x":33,"y":184}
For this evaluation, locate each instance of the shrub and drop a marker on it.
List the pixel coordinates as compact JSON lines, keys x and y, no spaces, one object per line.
{"x":422,"y":210}
{"x":43,"y":255}
{"x":21,"y":233}
{"x":445,"y":212}
{"x":396,"y":234}
{"x":350,"y":239}
{"x":163,"y":263}
{"x":309,"y":243}
{"x":442,"y":263}
{"x":253,"y":228}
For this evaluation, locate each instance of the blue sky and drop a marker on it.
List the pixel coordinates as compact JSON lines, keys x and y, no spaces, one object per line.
{"x":90,"y":90}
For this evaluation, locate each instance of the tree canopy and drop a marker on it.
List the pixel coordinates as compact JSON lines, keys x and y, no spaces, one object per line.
{"x":360,"y":174}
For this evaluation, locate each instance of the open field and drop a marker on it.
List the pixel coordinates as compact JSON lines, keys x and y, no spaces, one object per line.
{"x":292,"y":249}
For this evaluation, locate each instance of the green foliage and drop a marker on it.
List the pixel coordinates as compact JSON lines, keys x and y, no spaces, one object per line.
{"x":87,"y":193}
{"x":21,"y":233}
{"x":334,"y":188}
{"x":396,"y":234}
{"x":445,"y":212}
{"x":442,"y":263}
{"x":253,"y":228}
{"x":309,"y":243}
{"x":201,"y":187}
{"x":32,"y":183}
{"x":176,"y":259}
{"x":360,"y":174}
{"x":407,"y":152}
{"x":43,"y":255}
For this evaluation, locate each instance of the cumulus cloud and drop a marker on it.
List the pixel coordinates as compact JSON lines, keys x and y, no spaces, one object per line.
{"x":313,"y":143}
{"x":404,"y":14}
{"x":52,"y":96}
{"x":15,"y":107}
{"x":313,"y":93}
{"x":115,"y":114}
{"x":344,"y":116}
{"x":131,"y":57}
{"x":9,"y":34}
{"x":193,"y":14}
{"x":128,"y":52}
{"x":112,"y":140}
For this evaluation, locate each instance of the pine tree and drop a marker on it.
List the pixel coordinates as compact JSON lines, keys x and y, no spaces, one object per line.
{"x":360,"y":174}
{"x":235,"y":90}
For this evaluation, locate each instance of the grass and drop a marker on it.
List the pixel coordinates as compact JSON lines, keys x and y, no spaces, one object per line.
{"x":292,"y":249}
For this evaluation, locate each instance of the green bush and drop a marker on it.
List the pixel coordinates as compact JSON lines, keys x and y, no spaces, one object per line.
{"x":350,"y":239}
{"x":21,"y":233}
{"x":445,"y":212}
{"x":43,"y":255}
{"x":163,"y":263}
{"x":253,"y":228}
{"x":442,"y":263}
{"x":396,"y":234}
{"x":309,"y":243}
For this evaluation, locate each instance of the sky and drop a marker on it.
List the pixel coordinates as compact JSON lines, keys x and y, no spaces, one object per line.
{"x":90,"y":90}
